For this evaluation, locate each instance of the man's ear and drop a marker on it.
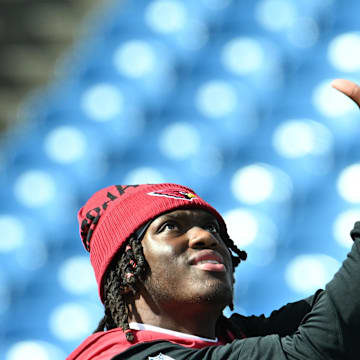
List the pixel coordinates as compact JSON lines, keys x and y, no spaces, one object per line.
{"x":125,"y":290}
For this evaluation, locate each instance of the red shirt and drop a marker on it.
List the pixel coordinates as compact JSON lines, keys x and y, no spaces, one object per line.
{"x":106,"y":344}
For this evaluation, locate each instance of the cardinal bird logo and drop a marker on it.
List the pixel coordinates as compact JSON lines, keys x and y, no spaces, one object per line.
{"x":174,"y":194}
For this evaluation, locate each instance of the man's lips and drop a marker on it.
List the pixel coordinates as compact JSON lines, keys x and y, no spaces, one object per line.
{"x":208,"y":260}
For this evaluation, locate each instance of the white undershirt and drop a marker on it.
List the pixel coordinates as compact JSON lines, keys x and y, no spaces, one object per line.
{"x":139,"y":326}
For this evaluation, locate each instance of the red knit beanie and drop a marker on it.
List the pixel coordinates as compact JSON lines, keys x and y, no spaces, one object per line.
{"x":114,"y":213}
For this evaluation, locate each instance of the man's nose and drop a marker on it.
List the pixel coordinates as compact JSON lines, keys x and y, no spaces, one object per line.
{"x":201,"y":238}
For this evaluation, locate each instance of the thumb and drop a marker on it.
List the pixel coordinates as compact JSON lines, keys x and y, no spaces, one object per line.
{"x":349,"y":88}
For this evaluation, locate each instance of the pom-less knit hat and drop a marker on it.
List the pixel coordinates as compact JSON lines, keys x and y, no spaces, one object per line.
{"x":114,"y":213}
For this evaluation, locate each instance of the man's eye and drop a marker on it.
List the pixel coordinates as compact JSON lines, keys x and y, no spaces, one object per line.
{"x":168,"y":226}
{"x":212,"y":228}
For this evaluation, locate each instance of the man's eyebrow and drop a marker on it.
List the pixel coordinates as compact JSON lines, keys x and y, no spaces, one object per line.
{"x":166,"y":215}
{"x":203,"y":216}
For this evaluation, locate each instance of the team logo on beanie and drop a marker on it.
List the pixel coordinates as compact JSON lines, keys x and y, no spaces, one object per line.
{"x":174,"y":194}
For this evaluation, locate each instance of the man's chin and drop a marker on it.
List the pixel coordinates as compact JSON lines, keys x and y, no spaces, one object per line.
{"x":214,"y":292}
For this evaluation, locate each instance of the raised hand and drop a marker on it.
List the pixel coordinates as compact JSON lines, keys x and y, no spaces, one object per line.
{"x":349,"y":88}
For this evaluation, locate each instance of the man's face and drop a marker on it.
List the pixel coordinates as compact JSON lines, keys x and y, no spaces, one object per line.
{"x":189,"y":263}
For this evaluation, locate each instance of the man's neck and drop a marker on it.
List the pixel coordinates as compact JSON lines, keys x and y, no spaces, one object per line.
{"x":200,"y":321}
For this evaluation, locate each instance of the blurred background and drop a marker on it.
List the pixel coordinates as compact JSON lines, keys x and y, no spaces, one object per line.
{"x":231,"y":98}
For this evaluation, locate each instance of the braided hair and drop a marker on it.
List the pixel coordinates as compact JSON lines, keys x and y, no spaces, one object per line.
{"x":124,"y":273}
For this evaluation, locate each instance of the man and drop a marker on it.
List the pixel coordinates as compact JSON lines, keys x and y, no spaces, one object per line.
{"x":164,"y":264}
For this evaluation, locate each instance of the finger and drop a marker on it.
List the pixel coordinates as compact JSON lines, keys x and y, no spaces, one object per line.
{"x":348,"y":88}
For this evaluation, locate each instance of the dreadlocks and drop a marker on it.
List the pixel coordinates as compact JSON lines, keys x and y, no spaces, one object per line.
{"x":124,"y":273}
